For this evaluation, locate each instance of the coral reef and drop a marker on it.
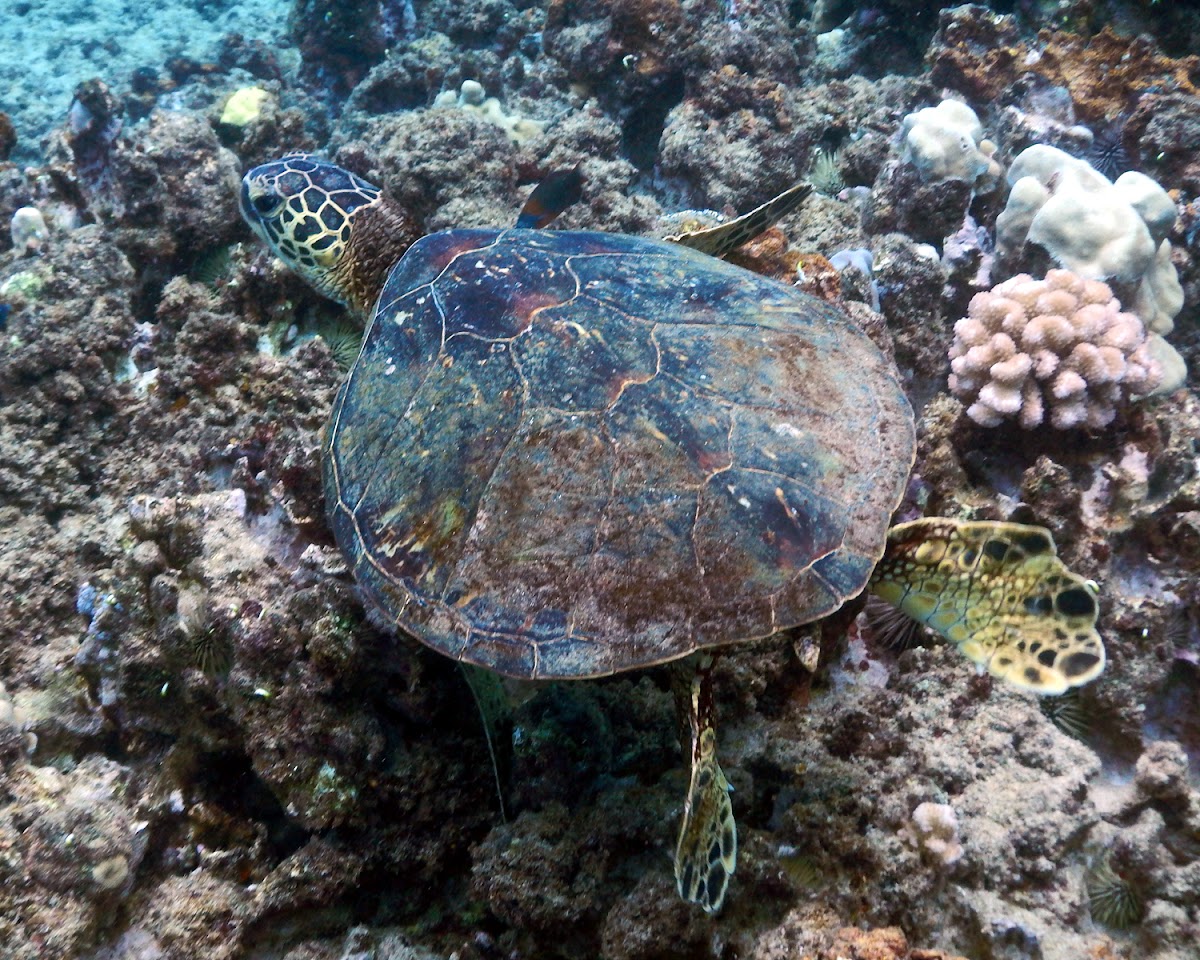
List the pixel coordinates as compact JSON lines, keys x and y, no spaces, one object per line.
{"x":58,"y":44}
{"x":1057,"y":350}
{"x":209,"y":750}
{"x":982,"y":54}
{"x":1166,"y":135}
{"x":927,"y":186}
{"x":1108,"y":231}
{"x":8,"y":136}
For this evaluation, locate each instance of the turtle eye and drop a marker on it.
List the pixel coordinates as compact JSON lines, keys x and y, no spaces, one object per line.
{"x":267,"y":203}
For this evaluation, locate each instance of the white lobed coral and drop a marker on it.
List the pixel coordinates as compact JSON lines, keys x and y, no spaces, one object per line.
{"x":933,"y":829}
{"x":29,"y":230}
{"x":474,"y":99}
{"x":946,"y":142}
{"x":11,"y":716}
{"x":1058,"y":349}
{"x":1101,"y":229}
{"x":16,"y":737}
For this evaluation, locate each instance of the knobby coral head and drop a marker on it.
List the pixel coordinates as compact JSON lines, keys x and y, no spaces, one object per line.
{"x":1059,"y":349}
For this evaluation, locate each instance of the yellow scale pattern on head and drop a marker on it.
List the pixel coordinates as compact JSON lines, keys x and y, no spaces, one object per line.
{"x":999,"y":592}
{"x":303,"y":209}
{"x":308,"y":207}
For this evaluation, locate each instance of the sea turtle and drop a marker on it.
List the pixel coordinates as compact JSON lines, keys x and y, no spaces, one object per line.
{"x":566,"y":454}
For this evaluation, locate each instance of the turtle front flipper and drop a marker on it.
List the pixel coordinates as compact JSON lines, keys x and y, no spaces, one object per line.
{"x":706,"y":854}
{"x":1001,"y":594}
{"x":724,"y":238}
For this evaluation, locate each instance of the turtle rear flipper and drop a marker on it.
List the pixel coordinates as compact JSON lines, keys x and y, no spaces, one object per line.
{"x":1001,"y":594}
{"x":726,"y":237}
{"x":706,"y":854}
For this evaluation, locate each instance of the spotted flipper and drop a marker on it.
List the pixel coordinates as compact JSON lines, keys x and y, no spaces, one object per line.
{"x":719,"y":240}
{"x":706,"y":854}
{"x":999,"y":592}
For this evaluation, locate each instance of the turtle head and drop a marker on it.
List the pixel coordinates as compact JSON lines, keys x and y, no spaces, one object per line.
{"x":327,"y":224}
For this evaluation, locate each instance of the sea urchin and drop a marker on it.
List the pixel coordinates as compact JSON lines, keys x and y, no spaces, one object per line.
{"x":1113,"y":900}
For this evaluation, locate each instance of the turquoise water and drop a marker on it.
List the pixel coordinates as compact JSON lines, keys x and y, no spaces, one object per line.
{"x":50,"y":46}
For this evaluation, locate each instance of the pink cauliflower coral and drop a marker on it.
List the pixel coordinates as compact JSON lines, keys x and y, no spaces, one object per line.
{"x":1057,"y":349}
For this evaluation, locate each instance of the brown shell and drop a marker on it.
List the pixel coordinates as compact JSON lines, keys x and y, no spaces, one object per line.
{"x":569,"y":454}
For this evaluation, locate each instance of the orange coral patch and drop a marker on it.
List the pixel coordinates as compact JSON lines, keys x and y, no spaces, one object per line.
{"x":768,"y":254}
